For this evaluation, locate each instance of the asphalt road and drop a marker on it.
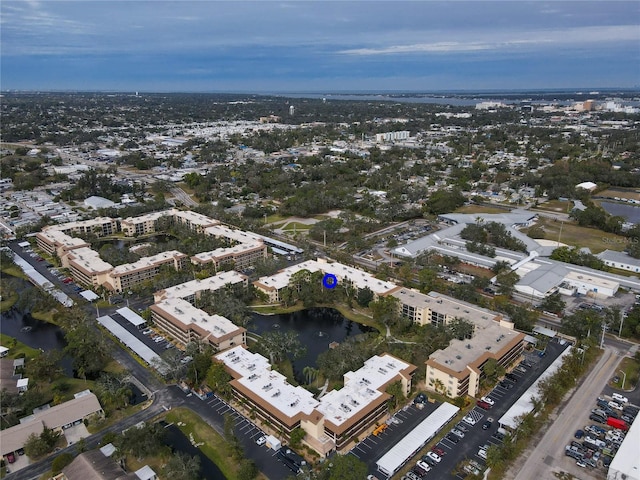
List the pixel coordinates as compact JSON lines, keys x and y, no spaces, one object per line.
{"x":548,"y":456}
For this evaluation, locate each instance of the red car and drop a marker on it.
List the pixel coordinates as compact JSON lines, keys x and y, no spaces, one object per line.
{"x":67,"y":280}
{"x":11,"y":457}
{"x":483,"y":405}
{"x":437,"y":450}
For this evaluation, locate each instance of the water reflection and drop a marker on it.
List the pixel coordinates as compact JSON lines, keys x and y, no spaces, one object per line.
{"x":316,"y":329}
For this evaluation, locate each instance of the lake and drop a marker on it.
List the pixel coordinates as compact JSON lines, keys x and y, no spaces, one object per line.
{"x":316,"y":329}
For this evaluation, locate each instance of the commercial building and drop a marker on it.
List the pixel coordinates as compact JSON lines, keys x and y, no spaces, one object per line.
{"x":626,"y":463}
{"x":186,"y":323}
{"x":330,"y":423}
{"x":620,"y":260}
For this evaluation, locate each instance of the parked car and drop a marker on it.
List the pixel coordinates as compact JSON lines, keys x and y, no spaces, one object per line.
{"x":438,"y":450}
{"x":457,"y":432}
{"x":619,"y":398}
{"x":11,"y":457}
{"x":469,"y":419}
{"x":615,"y":405}
{"x":434,"y":456}
{"x":423,"y":465}
{"x":487,"y":424}
{"x":261,"y":440}
{"x":484,"y":405}
{"x":453,"y":438}
{"x":579,"y":434}
{"x":482,"y":453}
{"x":488,"y":400}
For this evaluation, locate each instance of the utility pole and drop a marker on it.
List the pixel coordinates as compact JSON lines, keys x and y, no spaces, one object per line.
{"x":624,"y":378}
{"x":604,"y":328}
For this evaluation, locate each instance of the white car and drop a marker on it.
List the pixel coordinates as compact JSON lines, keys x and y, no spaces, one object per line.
{"x":619,"y":398}
{"x":469,"y":419}
{"x":261,"y":440}
{"x":615,"y":405}
{"x":424,"y":465}
{"x":482,"y":453}
{"x":434,"y":456}
{"x":489,"y":400}
{"x":457,"y":433}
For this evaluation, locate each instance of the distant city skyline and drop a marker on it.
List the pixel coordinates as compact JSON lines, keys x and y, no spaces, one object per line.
{"x":329,"y":46}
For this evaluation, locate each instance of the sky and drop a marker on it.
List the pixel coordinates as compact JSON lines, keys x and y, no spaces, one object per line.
{"x":309,"y":46}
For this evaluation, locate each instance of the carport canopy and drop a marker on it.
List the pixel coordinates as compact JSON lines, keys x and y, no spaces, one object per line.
{"x":416,"y":439}
{"x":547,"y":332}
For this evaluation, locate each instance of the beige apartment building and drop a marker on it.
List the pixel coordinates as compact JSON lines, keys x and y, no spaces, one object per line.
{"x":186,"y":323}
{"x":126,"y":276}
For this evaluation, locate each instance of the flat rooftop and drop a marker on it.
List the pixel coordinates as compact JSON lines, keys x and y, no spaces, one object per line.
{"x":489,"y":337}
{"x":147,"y":262}
{"x":226,"y":251}
{"x":153,"y":216}
{"x":89,"y":260}
{"x":194,"y":286}
{"x":181,"y":310}
{"x":239,"y":236}
{"x":194,"y":218}
{"x":62,"y":239}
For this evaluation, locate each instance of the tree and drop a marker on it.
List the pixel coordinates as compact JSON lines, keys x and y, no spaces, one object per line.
{"x":141,"y":441}
{"x":365,"y":297}
{"x":248,"y":469}
{"x":182,"y":467}
{"x":553,"y":303}
{"x":88,"y":349}
{"x":38,"y":445}
{"x":279,"y":344}
{"x":46,"y":366}
{"x":345,"y":467}
{"x":296,"y":436}
{"x":218,"y":379}
{"x":60,"y":462}
{"x":397,"y":394}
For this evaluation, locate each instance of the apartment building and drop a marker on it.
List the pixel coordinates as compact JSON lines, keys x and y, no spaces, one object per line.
{"x":190,"y":291}
{"x":186,"y":323}
{"x":330,"y":423}
{"x":438,"y":309}
{"x":57,"y":243}
{"x":128,"y":275}
{"x":242,"y":255}
{"x":86,"y":266}
{"x":144,"y":224}
{"x":457,"y":370}
{"x":99,"y":226}
{"x":356,"y":278}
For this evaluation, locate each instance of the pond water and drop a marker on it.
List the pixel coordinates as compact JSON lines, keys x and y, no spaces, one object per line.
{"x":316,"y":329}
{"x":630,"y":213}
{"x":180,"y":443}
{"x":35,"y":334}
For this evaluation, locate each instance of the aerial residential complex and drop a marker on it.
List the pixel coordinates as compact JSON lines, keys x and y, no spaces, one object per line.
{"x":332,"y":422}
{"x":89,"y":269}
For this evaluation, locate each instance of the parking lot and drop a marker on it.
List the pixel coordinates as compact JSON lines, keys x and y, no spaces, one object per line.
{"x":460,"y":443}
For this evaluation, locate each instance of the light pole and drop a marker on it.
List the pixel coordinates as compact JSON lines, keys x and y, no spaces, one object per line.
{"x":624,"y":378}
{"x":604,"y":329}
{"x":621,"y":323}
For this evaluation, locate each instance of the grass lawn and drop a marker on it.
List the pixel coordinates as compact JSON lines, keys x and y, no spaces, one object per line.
{"x":575,"y":235}
{"x":276,"y":309}
{"x":480,"y":209}
{"x":9,"y":302}
{"x":554,"y":206}
{"x":19,"y":348}
{"x":14,"y":271}
{"x":297,"y":226}
{"x":275,"y":218}
{"x":215,"y":446}
{"x":631,"y":367}
{"x":45,"y":316}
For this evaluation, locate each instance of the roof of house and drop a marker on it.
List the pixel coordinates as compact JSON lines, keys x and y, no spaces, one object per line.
{"x":93,"y":464}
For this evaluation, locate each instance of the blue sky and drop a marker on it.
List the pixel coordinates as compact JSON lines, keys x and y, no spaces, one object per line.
{"x":274,"y":46}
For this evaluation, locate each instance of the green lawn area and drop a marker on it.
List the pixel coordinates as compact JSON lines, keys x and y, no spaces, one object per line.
{"x":14,"y":271}
{"x":631,"y":367}
{"x":275,"y":218}
{"x":19,"y":350}
{"x":480,"y":209}
{"x":554,"y":206}
{"x":9,"y":302}
{"x":297,"y":226}
{"x":575,"y":235}
{"x":215,"y":447}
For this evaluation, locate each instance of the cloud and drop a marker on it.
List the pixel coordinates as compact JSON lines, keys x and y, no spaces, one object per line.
{"x":544,"y":38}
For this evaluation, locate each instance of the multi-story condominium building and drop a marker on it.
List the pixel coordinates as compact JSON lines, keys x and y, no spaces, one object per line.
{"x":195,"y":221}
{"x":86,"y":266}
{"x":358,"y":279}
{"x":242,"y":255}
{"x":186,"y":323}
{"x":392,"y":136}
{"x":99,"y":226}
{"x":125,"y":276}
{"x":330,"y":423}
{"x":458,"y":369}
{"x":438,"y":309}
{"x":144,"y":224}
{"x":57,"y":243}
{"x":190,"y":291}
